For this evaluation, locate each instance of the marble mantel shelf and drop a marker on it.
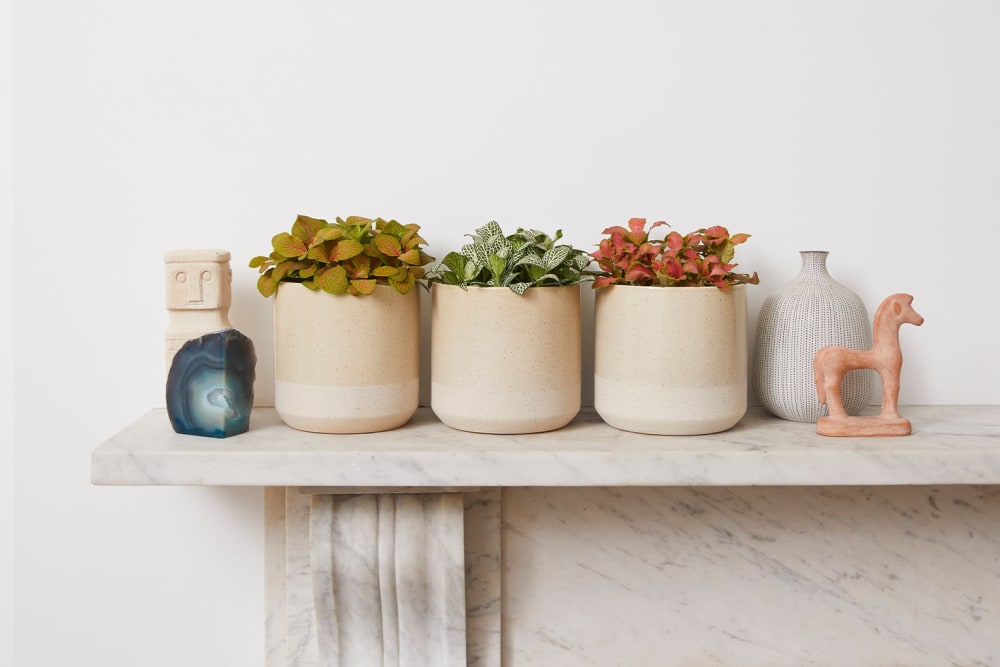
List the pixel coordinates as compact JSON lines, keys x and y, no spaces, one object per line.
{"x":950,"y":445}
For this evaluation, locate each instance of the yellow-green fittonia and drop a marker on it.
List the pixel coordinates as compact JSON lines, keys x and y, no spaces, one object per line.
{"x":344,"y":257}
{"x":527,"y":258}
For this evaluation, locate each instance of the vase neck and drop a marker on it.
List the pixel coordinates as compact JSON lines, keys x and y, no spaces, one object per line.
{"x":813,"y":262}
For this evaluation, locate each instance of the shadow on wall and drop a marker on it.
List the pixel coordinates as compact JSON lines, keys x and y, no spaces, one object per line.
{"x":252,"y":314}
{"x":246,"y":503}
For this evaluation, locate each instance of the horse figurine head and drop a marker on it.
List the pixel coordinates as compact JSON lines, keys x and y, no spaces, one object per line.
{"x":898,"y":308}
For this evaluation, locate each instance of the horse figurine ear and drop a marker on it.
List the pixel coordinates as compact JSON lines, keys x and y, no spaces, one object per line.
{"x":832,"y":362}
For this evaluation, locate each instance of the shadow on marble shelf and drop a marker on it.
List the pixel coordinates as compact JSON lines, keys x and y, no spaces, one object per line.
{"x":210,"y":385}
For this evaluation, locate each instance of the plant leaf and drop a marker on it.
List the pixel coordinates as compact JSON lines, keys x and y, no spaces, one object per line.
{"x":331,"y":233}
{"x":304,"y":228}
{"x":388,"y":245}
{"x":287,"y":245}
{"x":283,"y":269}
{"x":555,"y":256}
{"x":472,"y":270}
{"x":358,"y":267}
{"x":531,"y":259}
{"x":404,"y":286}
{"x":455,"y":262}
{"x":497,"y":266}
{"x":364,"y":287}
{"x":332,"y":279}
{"x":639,"y":273}
{"x":490,"y":230}
{"x":637,"y":230}
{"x":265,"y":285}
{"x":319,"y":253}
{"x":345,"y":250}
{"x":411,"y":257}
{"x":393,"y":228}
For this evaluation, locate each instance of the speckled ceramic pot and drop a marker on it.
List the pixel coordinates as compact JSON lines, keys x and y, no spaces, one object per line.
{"x":670,"y":360}
{"x":503,"y":363}
{"x":345,"y":364}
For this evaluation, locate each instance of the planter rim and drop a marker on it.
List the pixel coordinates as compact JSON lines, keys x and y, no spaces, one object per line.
{"x":319,"y":291}
{"x":500,"y":287}
{"x":672,"y":288}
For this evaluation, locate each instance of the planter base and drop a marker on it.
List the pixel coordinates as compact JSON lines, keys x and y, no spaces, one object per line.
{"x":328,"y":409}
{"x":662,"y":411}
{"x":534,"y":412}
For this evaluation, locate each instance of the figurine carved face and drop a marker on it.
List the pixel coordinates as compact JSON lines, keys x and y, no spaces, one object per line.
{"x":199,"y":283}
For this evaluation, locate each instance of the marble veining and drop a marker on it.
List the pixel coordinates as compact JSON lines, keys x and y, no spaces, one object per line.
{"x":949,"y":445}
{"x":744,"y":576}
{"x":752,"y":576}
{"x":762,"y":545}
{"x":483,"y":575}
{"x":374,"y":580}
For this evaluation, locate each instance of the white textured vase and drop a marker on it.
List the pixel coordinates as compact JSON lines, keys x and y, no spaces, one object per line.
{"x":345,"y":364}
{"x":503,"y":363}
{"x":811,"y":312}
{"x":670,"y":360}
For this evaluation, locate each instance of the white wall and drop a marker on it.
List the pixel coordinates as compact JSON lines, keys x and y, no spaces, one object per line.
{"x":865,"y":128}
{"x":6,"y":349}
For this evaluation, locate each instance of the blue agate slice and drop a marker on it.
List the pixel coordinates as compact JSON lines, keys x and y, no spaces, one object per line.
{"x":210,"y":385}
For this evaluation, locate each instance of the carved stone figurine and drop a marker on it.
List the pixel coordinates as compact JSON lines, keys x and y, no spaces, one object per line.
{"x":199,"y":293}
{"x":832,"y":362}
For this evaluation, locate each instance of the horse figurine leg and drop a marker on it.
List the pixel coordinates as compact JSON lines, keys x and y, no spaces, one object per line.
{"x":828,"y":376}
{"x":890,"y":393}
{"x":828,"y":373}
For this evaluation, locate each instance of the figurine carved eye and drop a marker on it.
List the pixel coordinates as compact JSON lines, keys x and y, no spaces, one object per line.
{"x":206,"y":276}
{"x":181,"y":277}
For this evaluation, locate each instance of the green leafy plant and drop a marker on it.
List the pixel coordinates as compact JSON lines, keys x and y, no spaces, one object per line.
{"x":527,"y":258}
{"x":349,"y":256}
{"x":628,"y":256}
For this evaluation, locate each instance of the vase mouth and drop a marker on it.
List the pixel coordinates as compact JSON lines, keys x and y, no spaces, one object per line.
{"x":814,"y":252}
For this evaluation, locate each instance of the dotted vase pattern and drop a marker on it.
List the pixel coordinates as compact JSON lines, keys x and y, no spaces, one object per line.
{"x":811,"y":312}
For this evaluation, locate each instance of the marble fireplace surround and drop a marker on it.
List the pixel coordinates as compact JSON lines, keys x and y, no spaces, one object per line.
{"x":763,"y":545}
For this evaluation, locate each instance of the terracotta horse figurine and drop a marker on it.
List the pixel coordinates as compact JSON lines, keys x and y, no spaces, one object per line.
{"x":832,"y":362}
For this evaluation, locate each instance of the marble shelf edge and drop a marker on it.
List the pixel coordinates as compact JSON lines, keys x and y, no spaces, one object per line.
{"x":950,"y":445}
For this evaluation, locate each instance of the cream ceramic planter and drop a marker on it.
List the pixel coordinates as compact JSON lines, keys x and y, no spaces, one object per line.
{"x":345,"y":364}
{"x":503,"y":363}
{"x":670,"y":360}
